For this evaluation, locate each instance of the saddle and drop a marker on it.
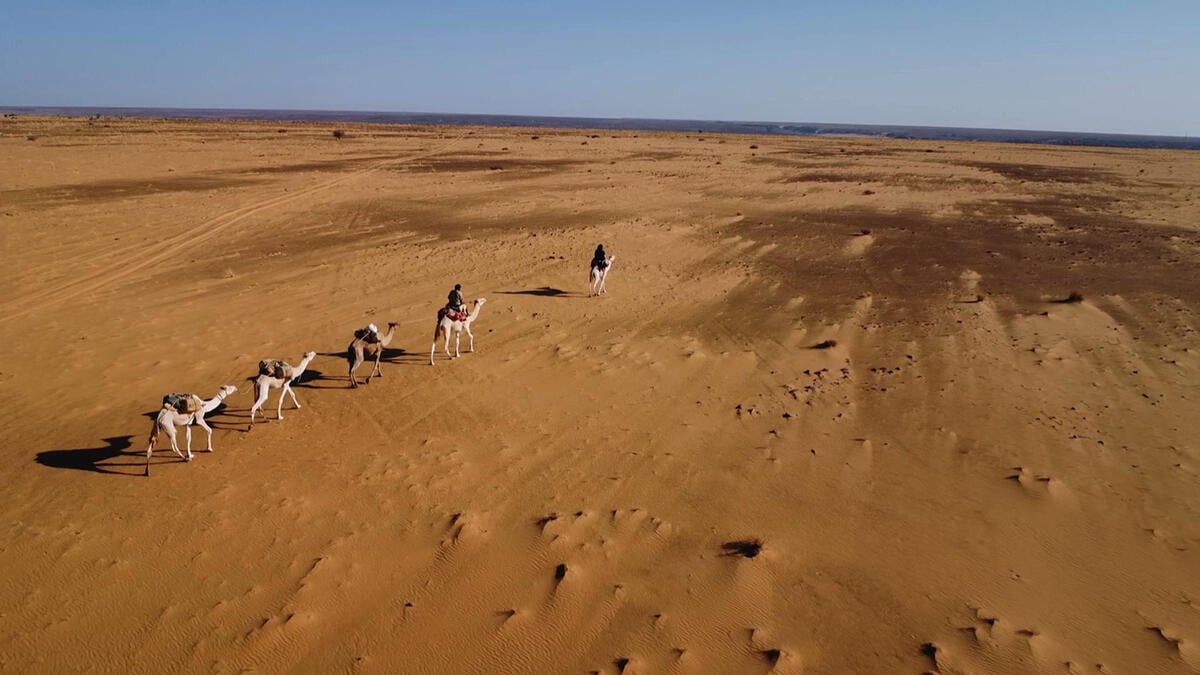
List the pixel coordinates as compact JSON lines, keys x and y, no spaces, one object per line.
{"x":452,"y":314}
{"x":275,"y":368}
{"x":184,"y":404}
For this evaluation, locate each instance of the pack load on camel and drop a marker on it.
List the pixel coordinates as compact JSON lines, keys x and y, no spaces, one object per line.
{"x":275,"y":368}
{"x":368,"y":334}
{"x":184,"y":404}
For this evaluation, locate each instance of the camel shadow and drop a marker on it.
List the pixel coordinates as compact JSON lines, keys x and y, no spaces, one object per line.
{"x":310,"y":378}
{"x":222,"y":417}
{"x":543,"y":292}
{"x":96,"y":459}
{"x":401,"y":356}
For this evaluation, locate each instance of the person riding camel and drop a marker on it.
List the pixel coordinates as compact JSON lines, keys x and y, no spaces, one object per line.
{"x":455,"y":301}
{"x":599,"y":258}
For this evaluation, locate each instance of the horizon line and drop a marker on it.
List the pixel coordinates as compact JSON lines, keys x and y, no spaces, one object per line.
{"x":871,"y":125}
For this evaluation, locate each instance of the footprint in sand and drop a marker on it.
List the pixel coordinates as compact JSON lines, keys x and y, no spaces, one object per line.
{"x":1035,"y":483}
{"x":1187,"y":650}
{"x":991,"y":641}
{"x":859,"y":244}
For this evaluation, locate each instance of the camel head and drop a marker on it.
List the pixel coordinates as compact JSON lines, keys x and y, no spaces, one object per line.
{"x":392,"y":326}
{"x":309,"y":356}
{"x":228,"y":390}
{"x":475,"y":309}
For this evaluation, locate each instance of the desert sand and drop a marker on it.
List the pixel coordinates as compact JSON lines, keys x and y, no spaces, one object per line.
{"x":849,"y":405}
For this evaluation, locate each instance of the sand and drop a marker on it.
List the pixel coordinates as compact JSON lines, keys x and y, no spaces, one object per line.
{"x":835,"y":413}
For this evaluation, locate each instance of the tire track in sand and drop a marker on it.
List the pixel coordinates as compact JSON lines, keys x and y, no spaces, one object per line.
{"x":173,"y":245}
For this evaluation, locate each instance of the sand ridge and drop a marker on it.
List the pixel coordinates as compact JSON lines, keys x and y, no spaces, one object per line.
{"x":838,"y":412}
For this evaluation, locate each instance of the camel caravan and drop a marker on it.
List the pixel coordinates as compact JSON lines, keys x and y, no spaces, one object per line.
{"x":186,"y":409}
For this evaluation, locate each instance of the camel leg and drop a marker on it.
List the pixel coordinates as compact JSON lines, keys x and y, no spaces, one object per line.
{"x":173,"y":437}
{"x":287,"y":391}
{"x":472,"y":338}
{"x":355,"y":362}
{"x":188,"y":429}
{"x":447,"y":345}
{"x":378,"y":371}
{"x":264,"y":390}
{"x":204,"y":425}
{"x":150,"y":445}
{"x":457,"y":339}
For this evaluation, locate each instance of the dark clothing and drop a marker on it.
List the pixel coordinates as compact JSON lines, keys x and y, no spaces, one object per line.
{"x":455,"y":300}
{"x":599,"y":259}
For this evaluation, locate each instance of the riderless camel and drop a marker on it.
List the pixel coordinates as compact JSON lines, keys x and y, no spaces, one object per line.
{"x":273,"y":374}
{"x":169,"y":417}
{"x":597,"y":277}
{"x":360,"y":350}
{"x":446,"y":324}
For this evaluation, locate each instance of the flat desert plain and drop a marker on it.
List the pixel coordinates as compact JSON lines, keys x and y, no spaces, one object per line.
{"x":849,"y":405}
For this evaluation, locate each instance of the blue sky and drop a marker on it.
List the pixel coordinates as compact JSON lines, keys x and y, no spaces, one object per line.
{"x":1126,"y":67}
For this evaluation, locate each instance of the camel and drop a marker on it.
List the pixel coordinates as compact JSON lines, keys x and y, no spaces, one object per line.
{"x":446,"y":324}
{"x":360,"y":350}
{"x":597,"y":277}
{"x":273,"y":374}
{"x":169,"y":417}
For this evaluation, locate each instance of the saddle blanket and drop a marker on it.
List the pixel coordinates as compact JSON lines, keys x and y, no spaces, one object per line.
{"x":454,"y":315}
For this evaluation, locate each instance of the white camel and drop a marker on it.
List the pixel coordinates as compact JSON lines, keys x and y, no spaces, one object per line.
{"x":597,"y":277}
{"x":446,"y":324}
{"x":169,"y":417}
{"x":360,"y":350}
{"x":273,"y":374}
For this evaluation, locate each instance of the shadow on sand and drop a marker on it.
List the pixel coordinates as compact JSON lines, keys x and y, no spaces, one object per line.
{"x":100,"y":460}
{"x":319,"y":380}
{"x":309,"y":379}
{"x":543,"y":292}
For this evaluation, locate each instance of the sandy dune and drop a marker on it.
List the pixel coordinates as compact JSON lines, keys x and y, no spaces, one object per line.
{"x":836,"y":413}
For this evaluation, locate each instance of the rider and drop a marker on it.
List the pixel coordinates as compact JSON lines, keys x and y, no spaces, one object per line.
{"x":455,"y":300}
{"x":371,"y":334}
{"x":599,"y":259}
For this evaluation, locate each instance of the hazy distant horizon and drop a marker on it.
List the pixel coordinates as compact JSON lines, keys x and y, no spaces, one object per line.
{"x":452,"y":113}
{"x":919,"y":132}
